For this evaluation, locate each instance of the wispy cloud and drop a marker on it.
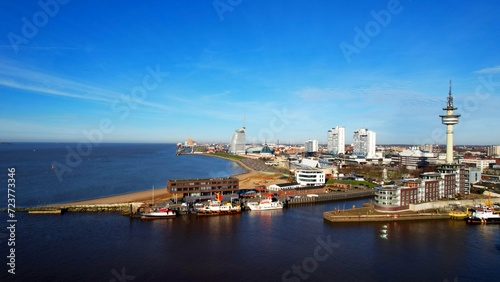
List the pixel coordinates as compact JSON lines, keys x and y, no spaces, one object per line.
{"x":49,"y":91}
{"x":495,"y":69}
{"x":398,"y":95}
{"x":38,"y":82}
{"x":377,"y":94}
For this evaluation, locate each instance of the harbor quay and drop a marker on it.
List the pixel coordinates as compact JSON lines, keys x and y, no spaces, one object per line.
{"x":328,"y":197}
{"x":129,"y":208}
{"x":424,"y":211}
{"x":368,"y":214}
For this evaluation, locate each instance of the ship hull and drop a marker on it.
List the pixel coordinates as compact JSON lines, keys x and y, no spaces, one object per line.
{"x":476,"y":220}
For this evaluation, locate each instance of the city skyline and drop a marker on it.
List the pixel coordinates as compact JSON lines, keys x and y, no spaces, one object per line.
{"x":163,"y":72}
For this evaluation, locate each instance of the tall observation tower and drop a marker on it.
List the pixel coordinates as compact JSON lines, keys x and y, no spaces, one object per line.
{"x":449,"y":119}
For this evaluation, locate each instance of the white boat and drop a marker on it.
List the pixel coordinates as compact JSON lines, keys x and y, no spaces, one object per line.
{"x":161,"y":213}
{"x":217,"y":208}
{"x":483,"y":215}
{"x":267,"y":204}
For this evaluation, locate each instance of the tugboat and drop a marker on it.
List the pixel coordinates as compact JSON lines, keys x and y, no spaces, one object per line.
{"x":483,"y":215}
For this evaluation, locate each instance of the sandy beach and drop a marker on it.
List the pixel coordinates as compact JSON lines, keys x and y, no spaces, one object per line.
{"x":250,"y":179}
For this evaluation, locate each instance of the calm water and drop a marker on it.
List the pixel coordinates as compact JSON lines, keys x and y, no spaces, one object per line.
{"x":294,"y":244}
{"x":108,"y":169}
{"x":251,"y":247}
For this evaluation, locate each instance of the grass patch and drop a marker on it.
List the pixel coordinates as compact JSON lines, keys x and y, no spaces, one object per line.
{"x":352,"y":182}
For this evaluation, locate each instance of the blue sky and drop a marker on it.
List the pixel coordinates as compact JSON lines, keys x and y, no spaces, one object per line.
{"x":163,"y":71}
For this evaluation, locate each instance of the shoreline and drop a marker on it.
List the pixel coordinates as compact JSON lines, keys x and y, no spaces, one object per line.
{"x":161,"y":194}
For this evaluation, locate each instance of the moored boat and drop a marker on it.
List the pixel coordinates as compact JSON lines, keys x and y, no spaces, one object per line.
{"x":483,"y":215}
{"x":460,"y":215}
{"x":162,"y":213}
{"x":217,"y":208}
{"x":269,"y":203}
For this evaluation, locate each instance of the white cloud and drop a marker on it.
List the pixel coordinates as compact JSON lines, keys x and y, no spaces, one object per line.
{"x":38,"y":82}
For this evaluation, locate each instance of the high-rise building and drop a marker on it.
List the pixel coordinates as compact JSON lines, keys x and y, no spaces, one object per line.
{"x":311,"y":146}
{"x":364,"y":142}
{"x":336,"y":140}
{"x":237,"y":145}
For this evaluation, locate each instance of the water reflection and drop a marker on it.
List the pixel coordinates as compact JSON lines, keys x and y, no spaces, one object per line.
{"x":236,"y":246}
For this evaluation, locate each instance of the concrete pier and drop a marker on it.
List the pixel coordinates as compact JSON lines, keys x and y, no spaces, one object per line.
{"x":329,"y":197}
{"x":343,"y":216}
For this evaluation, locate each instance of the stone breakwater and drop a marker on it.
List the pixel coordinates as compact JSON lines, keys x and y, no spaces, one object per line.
{"x":123,"y":208}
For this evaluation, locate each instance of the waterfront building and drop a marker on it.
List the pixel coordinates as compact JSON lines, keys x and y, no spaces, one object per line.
{"x":311,"y":146}
{"x":237,"y":145}
{"x":310,"y":177}
{"x":364,"y":143}
{"x":448,"y":190}
{"x":387,"y":196}
{"x":449,"y":119}
{"x":472,"y":175}
{"x":459,"y":172}
{"x":397,"y":197}
{"x":202,"y":187}
{"x":493,"y":151}
{"x":336,"y":140}
{"x":430,"y":185}
{"x":409,"y":193}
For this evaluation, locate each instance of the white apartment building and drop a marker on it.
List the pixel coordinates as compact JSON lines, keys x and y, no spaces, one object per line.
{"x":336,"y":140}
{"x":311,"y":146}
{"x":364,"y":142}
